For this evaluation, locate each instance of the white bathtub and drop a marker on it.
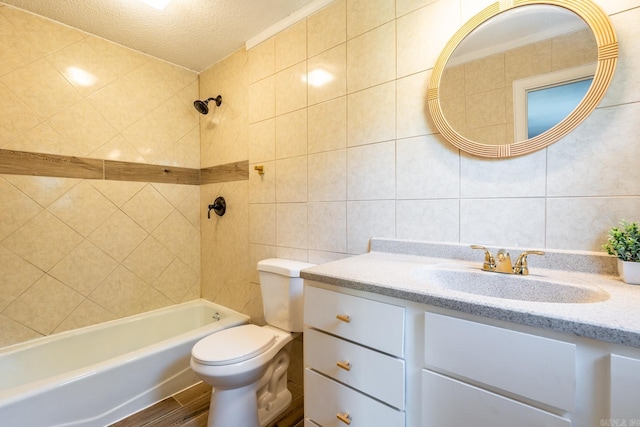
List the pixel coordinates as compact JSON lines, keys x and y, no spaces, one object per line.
{"x":100,"y":374}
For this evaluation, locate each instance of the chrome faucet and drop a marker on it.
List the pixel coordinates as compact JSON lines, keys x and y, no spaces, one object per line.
{"x":502,"y":262}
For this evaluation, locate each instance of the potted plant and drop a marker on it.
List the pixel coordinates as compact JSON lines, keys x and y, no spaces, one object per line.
{"x":624,"y":243}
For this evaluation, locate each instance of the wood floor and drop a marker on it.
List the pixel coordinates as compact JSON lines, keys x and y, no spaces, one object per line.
{"x":190,"y":408}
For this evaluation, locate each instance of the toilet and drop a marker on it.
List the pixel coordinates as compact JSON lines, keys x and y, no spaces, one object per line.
{"x":247,"y":365}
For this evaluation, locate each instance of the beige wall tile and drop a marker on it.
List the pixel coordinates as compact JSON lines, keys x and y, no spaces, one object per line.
{"x":479,"y":217}
{"x":291,"y":88}
{"x":426,"y":168}
{"x":371,"y":58}
{"x":522,"y":176}
{"x":18,"y":275}
{"x":40,"y":80}
{"x":84,"y":268}
{"x":149,"y":260}
{"x":412,"y":112}
{"x":367,"y":219}
{"x":83,"y":67}
{"x":118,"y":236}
{"x":291,"y":225}
{"x":43,"y":241}
{"x":582,"y":223}
{"x":262,"y":223}
{"x":262,"y":60}
{"x":83,"y":208}
{"x":428,"y":220}
{"x":405,"y":6}
{"x":44,"y":305}
{"x":262,"y":101}
{"x":327,"y":75}
{"x":327,"y":28}
{"x":262,"y":187}
{"x":15,"y":332}
{"x":262,"y":141}
{"x":16,"y":117}
{"x":17,"y":209}
{"x":328,"y":226}
{"x":120,"y":292}
{"x":371,"y":171}
{"x":363,"y":16}
{"x":291,"y":134}
{"x":423,"y":33}
{"x":328,"y":176}
{"x":588,"y":162}
{"x":291,"y":179}
{"x":370,"y":119}
{"x":291,"y":45}
{"x":148,"y":208}
{"x":327,"y":125}
{"x":625,"y":86}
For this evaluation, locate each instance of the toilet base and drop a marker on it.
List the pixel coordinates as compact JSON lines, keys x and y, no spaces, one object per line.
{"x":235,"y":403}
{"x":229,"y":408}
{"x":275,"y":408}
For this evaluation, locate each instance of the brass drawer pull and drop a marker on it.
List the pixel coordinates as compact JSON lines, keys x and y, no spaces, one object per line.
{"x":345,"y":418}
{"x":344,"y":317}
{"x":344,"y":365}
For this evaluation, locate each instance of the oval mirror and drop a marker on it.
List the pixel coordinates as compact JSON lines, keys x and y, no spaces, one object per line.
{"x":517,"y":78}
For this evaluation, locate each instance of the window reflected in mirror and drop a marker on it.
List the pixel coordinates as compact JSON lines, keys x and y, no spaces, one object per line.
{"x":548,"y":106}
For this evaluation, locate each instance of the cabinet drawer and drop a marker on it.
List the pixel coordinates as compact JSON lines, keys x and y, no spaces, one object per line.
{"x":324,"y":399}
{"x":309,"y":423}
{"x":625,"y":388}
{"x":376,"y":374}
{"x":370,"y":323}
{"x":450,"y":403}
{"x":538,"y":368}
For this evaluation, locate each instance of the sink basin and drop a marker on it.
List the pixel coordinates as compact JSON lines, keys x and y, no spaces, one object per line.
{"x":508,"y":286}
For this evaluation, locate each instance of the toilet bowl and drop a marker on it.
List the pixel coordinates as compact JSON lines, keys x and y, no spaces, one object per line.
{"x":247,"y":365}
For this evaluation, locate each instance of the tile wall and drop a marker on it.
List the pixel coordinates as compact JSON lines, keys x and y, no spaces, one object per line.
{"x":358,"y":156}
{"x":75,"y":252}
{"x":346,"y":160}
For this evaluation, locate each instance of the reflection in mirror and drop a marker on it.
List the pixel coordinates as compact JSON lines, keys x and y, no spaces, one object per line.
{"x":510,"y":53}
{"x":499,"y":69}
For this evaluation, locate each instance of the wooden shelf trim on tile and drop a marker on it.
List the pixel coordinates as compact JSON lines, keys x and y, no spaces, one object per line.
{"x":14,"y":162}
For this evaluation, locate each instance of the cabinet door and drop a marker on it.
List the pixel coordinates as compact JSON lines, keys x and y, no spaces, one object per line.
{"x":450,"y":403}
{"x":534,"y":367}
{"x":625,"y":390}
{"x":374,"y":373}
{"x":331,"y":404}
{"x":371,"y":323}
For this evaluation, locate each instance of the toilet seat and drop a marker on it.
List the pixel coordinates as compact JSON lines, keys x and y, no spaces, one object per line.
{"x":233,"y":345}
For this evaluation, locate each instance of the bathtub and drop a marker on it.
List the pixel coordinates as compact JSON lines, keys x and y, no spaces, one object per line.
{"x":100,"y":374}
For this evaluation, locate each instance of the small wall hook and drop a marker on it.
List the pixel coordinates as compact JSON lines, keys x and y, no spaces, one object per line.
{"x":260,"y":169}
{"x":219,"y":206}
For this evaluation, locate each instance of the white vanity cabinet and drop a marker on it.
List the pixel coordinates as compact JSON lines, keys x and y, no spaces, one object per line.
{"x":354,"y":366}
{"x":477,"y":374}
{"x":625,"y":390}
{"x":393,"y":362}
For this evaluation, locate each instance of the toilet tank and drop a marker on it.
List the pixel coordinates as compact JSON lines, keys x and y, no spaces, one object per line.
{"x":282,"y":292}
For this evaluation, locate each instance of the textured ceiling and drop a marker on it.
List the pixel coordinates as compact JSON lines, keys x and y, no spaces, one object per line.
{"x":194,"y":34}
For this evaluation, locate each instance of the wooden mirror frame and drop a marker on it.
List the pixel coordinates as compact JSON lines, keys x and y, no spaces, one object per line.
{"x":607,"y":45}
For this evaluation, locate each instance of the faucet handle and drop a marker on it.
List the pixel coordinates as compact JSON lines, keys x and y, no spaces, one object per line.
{"x":521,"y":266}
{"x":489,"y":261}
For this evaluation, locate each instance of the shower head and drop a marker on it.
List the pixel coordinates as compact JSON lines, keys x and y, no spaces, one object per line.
{"x":203,"y":106}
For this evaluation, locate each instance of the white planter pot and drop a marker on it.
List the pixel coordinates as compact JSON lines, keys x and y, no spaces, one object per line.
{"x":629,"y":271}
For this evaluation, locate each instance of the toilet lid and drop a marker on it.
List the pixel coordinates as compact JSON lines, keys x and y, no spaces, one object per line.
{"x":233,"y":345}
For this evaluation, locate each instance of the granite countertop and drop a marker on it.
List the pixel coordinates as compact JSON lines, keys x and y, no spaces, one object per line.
{"x":395,"y":268}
